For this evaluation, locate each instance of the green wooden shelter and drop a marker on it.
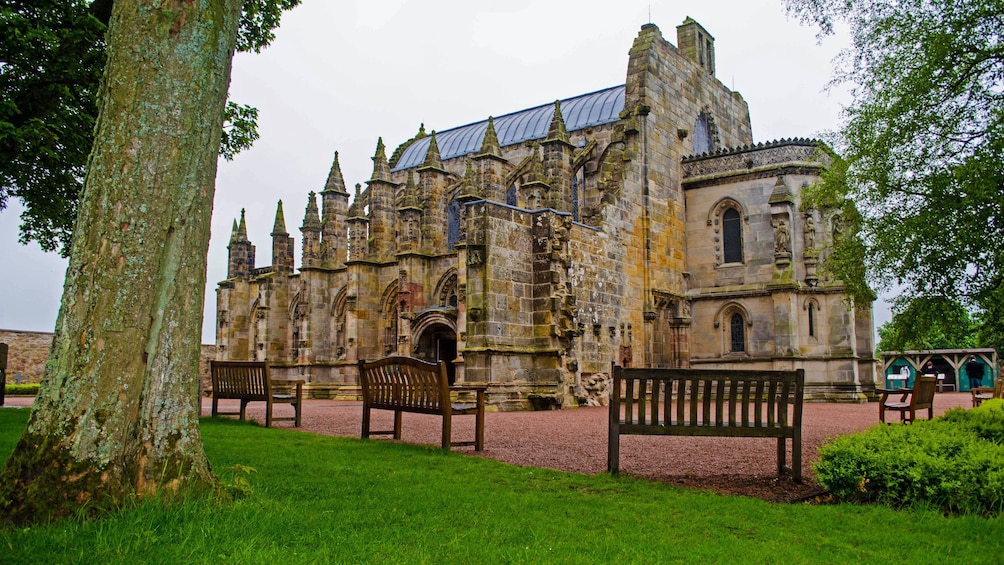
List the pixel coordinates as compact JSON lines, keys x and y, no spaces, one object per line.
{"x":899,"y":368}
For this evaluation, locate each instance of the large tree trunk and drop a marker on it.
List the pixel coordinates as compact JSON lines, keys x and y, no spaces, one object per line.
{"x":117,"y":414}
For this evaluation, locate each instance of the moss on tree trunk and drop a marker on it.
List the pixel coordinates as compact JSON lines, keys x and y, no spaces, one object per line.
{"x":117,"y":413}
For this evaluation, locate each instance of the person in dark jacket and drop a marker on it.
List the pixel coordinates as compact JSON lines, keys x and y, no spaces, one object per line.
{"x":975,"y":371}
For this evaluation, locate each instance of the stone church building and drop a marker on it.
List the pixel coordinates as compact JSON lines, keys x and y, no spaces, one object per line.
{"x":637,"y":225}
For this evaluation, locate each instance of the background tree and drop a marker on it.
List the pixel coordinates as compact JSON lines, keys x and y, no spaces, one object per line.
{"x":928,"y":323}
{"x":52,"y":53}
{"x":923,"y":143}
{"x":117,"y":413}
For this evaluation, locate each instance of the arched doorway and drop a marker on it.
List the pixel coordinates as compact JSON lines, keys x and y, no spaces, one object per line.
{"x":438,"y":342}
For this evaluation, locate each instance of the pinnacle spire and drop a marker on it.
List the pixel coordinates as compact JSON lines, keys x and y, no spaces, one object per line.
{"x":242,"y":232}
{"x":335,"y":182}
{"x":381,"y":169}
{"x":432,"y":155}
{"x":356,"y":208}
{"x":311,"y":220}
{"x":556,"y":131}
{"x":490,"y":145}
{"x":410,"y":197}
{"x":280,"y":222}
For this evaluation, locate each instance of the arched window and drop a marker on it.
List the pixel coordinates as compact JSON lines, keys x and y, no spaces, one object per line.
{"x":452,"y":224}
{"x":737,"y":331}
{"x":702,"y":135}
{"x":812,"y":320}
{"x":732,"y":236}
{"x":510,"y":196}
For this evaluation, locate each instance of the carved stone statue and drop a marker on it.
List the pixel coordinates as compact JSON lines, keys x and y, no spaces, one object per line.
{"x":782,"y":237}
{"x":810,"y":232}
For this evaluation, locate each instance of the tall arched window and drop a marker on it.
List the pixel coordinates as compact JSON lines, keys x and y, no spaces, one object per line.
{"x":703,"y":142}
{"x":452,"y":224}
{"x":732,"y":236}
{"x":812,"y":320}
{"x":737,"y":330}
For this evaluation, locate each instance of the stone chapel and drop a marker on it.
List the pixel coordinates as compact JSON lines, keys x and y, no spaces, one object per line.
{"x":638,"y":225}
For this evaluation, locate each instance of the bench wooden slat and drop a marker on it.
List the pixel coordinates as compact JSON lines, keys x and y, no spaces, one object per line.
{"x":745,"y":403}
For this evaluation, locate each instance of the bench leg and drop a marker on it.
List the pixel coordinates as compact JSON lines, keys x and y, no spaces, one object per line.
{"x":479,"y":427}
{"x":397,"y":424}
{"x":447,"y":427}
{"x":796,"y":456}
{"x":781,"y":457}
{"x":244,"y":405}
{"x":215,"y":405}
{"x":366,"y":422}
{"x":297,"y":406}
{"x":613,"y":448}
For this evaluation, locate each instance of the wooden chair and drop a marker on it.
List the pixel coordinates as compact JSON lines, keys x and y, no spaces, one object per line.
{"x":922,"y":396}
{"x":982,"y":393}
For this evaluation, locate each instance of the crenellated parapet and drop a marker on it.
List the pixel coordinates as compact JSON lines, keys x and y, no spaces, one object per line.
{"x":759,"y":156}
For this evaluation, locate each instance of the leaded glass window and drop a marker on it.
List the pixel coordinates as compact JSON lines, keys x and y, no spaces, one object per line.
{"x":732,"y":236}
{"x":737,"y":328}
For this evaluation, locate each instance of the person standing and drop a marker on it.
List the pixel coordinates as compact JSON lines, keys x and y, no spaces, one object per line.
{"x":975,"y":371}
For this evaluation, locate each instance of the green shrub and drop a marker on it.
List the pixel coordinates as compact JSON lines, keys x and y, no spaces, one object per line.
{"x":954,"y":463}
{"x":30,"y":389}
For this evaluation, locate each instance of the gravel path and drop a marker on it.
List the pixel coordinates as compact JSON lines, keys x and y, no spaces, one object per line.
{"x":576,"y":440}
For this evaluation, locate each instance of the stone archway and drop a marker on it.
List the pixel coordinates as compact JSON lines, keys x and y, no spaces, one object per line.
{"x":438,"y":342}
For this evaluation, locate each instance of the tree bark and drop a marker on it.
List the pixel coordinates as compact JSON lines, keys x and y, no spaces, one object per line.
{"x":117,"y":414}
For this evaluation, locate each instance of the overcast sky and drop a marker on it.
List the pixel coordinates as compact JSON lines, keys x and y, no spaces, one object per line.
{"x":341,"y":74}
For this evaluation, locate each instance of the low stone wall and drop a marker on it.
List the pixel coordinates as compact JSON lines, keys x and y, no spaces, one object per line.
{"x":28,"y":351}
{"x":26,"y":354}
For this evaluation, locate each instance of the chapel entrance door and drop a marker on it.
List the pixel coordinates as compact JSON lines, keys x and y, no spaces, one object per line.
{"x":438,"y":342}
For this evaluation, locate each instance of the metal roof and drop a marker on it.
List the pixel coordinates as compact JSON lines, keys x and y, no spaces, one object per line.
{"x":593,"y":109}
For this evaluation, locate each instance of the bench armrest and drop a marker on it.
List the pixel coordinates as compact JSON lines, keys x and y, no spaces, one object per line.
{"x":887,"y":391}
{"x":287,"y":382}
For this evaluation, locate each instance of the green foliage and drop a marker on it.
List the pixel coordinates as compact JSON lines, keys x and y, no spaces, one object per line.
{"x":923,"y":141}
{"x":258,"y":21}
{"x":29,"y":389}
{"x":51,"y":61}
{"x":239,"y":485}
{"x":846,"y":261}
{"x":240,"y":129}
{"x":953,"y":464}
{"x":928,"y":323}
{"x":321,"y":499}
{"x":990,"y":319}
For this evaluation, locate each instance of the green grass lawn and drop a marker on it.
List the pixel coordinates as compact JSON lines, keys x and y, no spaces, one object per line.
{"x":319,"y":499}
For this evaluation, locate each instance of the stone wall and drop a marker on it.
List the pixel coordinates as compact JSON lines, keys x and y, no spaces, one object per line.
{"x":28,"y":351}
{"x":26,"y":354}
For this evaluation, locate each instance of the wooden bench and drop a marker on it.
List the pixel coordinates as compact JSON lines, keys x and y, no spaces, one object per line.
{"x":689,"y":402}
{"x":405,"y":384}
{"x":249,"y":381}
{"x":982,"y":393}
